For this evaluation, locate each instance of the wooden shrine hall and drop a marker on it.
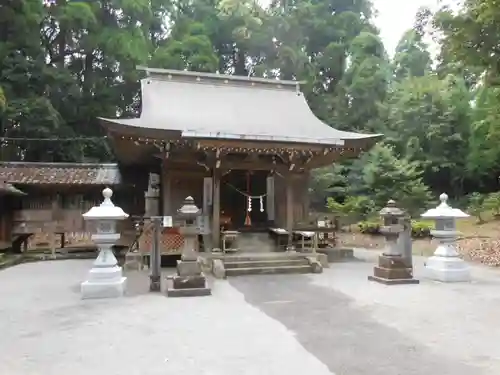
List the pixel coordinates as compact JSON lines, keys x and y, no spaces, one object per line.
{"x":242,"y":147}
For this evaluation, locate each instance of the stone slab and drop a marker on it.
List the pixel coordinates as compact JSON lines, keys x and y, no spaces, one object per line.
{"x":323,"y":260}
{"x":337,"y":254}
{"x":393,"y":281}
{"x":392,"y":273}
{"x":188,"y":268}
{"x":190,"y":292}
{"x":93,"y":290}
{"x":193,"y":292}
{"x":218,"y":269}
{"x":189,"y":282}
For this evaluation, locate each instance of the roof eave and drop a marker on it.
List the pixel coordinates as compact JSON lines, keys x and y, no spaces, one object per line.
{"x":122,"y":127}
{"x":12,"y":190}
{"x":125,"y":128}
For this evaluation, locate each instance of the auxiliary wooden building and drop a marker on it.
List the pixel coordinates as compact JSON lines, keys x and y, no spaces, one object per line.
{"x":47,"y":212}
{"x":243,"y":148}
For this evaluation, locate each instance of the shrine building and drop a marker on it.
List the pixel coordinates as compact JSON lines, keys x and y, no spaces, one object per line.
{"x":242,"y":147}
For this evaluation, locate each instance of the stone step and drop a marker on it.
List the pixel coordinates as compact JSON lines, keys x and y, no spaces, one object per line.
{"x":268,"y":270}
{"x":249,"y":257}
{"x":265,"y":263}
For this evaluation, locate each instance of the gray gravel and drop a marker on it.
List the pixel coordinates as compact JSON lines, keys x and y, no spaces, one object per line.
{"x":360,"y":327}
{"x":45,"y":329}
{"x":333,"y":323}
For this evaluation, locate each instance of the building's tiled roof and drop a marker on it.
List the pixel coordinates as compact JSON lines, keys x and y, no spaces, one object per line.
{"x":33,"y":173}
{"x":202,"y":105}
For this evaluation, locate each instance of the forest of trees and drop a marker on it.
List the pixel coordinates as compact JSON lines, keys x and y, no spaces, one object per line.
{"x":63,"y":63}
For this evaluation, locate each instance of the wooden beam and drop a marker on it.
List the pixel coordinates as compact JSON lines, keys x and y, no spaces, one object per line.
{"x":263,"y":146}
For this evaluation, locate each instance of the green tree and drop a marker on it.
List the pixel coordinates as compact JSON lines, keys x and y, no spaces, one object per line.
{"x":364,"y":85}
{"x":412,"y":57}
{"x":387,"y":176}
{"x":429,"y":124}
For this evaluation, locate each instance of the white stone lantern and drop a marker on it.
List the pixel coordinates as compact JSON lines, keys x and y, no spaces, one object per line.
{"x":446,"y":265}
{"x":105,"y":279}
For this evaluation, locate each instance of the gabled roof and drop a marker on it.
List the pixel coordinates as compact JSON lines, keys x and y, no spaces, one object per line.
{"x":33,"y":173}
{"x":203,"y":105}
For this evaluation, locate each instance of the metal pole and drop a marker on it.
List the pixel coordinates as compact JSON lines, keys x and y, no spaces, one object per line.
{"x":155,"y":257}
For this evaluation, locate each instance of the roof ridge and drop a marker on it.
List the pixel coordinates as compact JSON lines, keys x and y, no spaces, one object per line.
{"x":217,"y":76}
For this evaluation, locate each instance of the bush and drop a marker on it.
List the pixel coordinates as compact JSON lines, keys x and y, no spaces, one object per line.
{"x":476,"y":206}
{"x":360,"y":206}
{"x":419,"y":229}
{"x":492,"y":203}
{"x":369,"y":227}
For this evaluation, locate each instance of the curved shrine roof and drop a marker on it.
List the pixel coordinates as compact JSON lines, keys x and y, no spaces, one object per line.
{"x":214,"y":106}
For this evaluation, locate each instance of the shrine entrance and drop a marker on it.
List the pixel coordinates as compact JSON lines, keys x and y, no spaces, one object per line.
{"x":243,"y":200}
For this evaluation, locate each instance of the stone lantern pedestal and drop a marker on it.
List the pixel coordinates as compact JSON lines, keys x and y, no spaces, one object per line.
{"x":190,"y":280}
{"x":446,"y":265}
{"x":105,"y":279}
{"x":392,"y":267}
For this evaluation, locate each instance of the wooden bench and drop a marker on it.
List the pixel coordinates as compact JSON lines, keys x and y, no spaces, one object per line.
{"x":305,"y":238}
{"x":280,"y":236}
{"x":231,"y":237}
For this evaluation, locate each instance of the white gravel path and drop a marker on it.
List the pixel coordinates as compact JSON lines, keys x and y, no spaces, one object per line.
{"x":45,"y":329}
{"x":455,"y":320}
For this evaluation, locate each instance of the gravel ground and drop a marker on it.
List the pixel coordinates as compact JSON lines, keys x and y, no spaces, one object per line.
{"x":47,"y":330}
{"x":333,"y":323}
{"x":358,"y":327}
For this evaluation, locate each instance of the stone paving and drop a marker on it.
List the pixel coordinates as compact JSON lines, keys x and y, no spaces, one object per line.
{"x":333,"y":323}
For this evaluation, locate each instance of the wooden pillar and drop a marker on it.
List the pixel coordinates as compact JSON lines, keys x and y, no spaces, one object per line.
{"x":216,"y":209}
{"x":53,"y":225}
{"x":305,"y":196}
{"x":161,"y":188}
{"x":289,"y":207}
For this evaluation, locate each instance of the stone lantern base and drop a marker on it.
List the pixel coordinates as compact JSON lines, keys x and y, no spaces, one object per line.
{"x":189,"y":281}
{"x":105,"y":282}
{"x":392,"y":270}
{"x":447,"y":269}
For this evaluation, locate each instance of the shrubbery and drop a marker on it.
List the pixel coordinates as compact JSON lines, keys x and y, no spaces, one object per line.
{"x":369,"y":227}
{"x":419,"y":228}
{"x":479,"y":204}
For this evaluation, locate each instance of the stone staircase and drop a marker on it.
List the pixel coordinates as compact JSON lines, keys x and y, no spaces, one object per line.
{"x":257,"y":256}
{"x":265,"y":264}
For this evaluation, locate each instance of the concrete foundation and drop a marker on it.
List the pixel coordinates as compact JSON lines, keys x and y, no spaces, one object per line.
{"x":447,"y":269}
{"x":103,"y":289}
{"x":105,"y":280}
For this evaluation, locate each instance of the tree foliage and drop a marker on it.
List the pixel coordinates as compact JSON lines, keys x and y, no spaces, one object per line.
{"x":64,"y":63}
